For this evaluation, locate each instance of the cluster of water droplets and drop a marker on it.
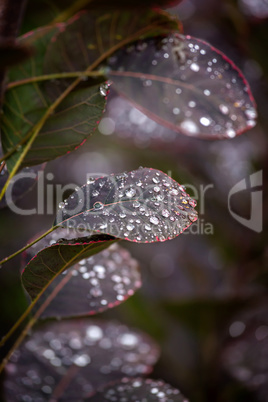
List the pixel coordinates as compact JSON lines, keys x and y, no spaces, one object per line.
{"x":95,"y":284}
{"x":202,"y":93}
{"x":104,"y":88}
{"x":139,"y":389}
{"x":91,"y":353}
{"x":144,"y":205}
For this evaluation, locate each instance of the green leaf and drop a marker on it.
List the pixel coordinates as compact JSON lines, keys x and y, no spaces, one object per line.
{"x":53,"y":260}
{"x":25,"y":105}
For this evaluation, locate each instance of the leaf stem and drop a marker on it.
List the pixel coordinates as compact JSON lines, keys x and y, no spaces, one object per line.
{"x":74,"y":8}
{"x":6,"y":259}
{"x":36,"y":131}
{"x":2,"y":166}
{"x":46,"y":77}
{"x":40,"y":124}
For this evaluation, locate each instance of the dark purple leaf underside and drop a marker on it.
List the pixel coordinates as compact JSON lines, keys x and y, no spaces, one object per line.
{"x":48,"y":263}
{"x":185,"y":84}
{"x":68,"y":360}
{"x":138,"y":389}
{"x":20,"y":185}
{"x":93,"y":285}
{"x":144,"y":205}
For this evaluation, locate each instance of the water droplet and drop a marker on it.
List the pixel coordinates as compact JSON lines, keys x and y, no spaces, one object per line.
{"x":207,"y":92}
{"x":95,"y":193}
{"x":192,"y":104}
{"x":156,"y":189}
{"x":189,"y":127}
{"x":251,"y":113}
{"x":82,"y":360}
{"x":176,"y":111}
{"x":104,"y":89}
{"x":224,"y":109}
{"x":94,"y":333}
{"x":61,"y":205}
{"x":130,"y":227}
{"x":205,"y":121}
{"x":122,"y":215}
{"x":154,"y":220}
{"x":173,"y":191}
{"x":194,"y":67}
{"x":231,"y":133}
{"x":192,"y":217}
{"x":98,"y":205}
{"x":90,"y":180}
{"x":165,"y":213}
{"x":130,"y":192}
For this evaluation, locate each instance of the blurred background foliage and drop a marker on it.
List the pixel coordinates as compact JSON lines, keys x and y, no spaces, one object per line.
{"x":204,"y":294}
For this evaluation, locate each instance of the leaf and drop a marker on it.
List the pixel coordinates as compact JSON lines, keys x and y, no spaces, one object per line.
{"x":69,"y":359}
{"x":95,"y":35}
{"x":139,"y":389}
{"x":20,"y":185}
{"x":65,"y":119}
{"x":185,"y":84}
{"x":48,"y":263}
{"x":25,"y":105}
{"x":132,"y":125}
{"x":144,"y":205}
{"x":91,"y":286}
{"x":245,"y":355}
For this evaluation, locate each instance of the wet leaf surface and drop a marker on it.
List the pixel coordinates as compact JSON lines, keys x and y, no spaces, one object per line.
{"x":90,"y":36}
{"x":91,"y":286}
{"x":144,"y":205}
{"x":65,"y":48}
{"x":48,"y":263}
{"x":70,"y":359}
{"x":246,"y":354}
{"x":139,"y":389}
{"x":199,"y":91}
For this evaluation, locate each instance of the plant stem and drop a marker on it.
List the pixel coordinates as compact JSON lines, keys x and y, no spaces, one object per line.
{"x":6,"y":259}
{"x":16,"y":325}
{"x":38,"y":313}
{"x":74,"y":8}
{"x":97,"y":62}
{"x":36,"y":131}
{"x":46,"y":77}
{"x":2,"y":166}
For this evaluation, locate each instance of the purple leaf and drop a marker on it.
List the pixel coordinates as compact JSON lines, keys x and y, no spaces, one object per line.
{"x":144,"y":206}
{"x":139,"y":389}
{"x":246,"y":354}
{"x":70,"y":359}
{"x":50,"y":262}
{"x":92,"y":285}
{"x":185,"y":84}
